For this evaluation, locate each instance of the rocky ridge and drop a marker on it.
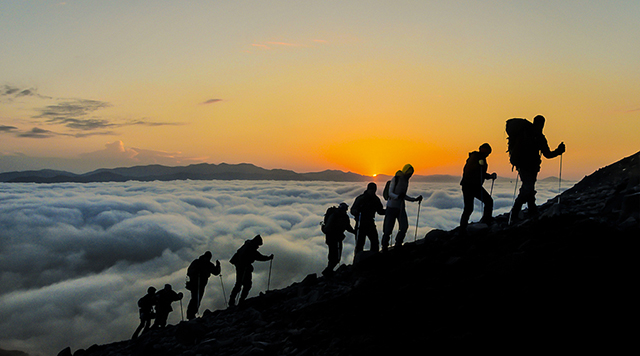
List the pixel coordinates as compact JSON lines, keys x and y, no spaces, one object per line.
{"x":560,"y":282}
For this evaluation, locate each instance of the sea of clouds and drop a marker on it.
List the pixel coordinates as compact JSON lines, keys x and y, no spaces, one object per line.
{"x":75,"y":258}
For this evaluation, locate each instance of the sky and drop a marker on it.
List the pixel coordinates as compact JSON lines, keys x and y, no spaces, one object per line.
{"x":75,"y":258}
{"x":361,"y":86}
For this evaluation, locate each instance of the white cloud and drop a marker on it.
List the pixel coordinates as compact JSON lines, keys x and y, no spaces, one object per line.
{"x":74,"y":258}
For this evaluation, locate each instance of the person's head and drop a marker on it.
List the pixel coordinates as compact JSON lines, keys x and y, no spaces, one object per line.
{"x":257,"y":240}
{"x":485,"y":149}
{"x":151,"y":290}
{"x":206,"y":256}
{"x":538,"y":123}
{"x":407,"y":170}
{"x":343,"y":206}
{"x":372,"y":187}
{"x":167,"y":286}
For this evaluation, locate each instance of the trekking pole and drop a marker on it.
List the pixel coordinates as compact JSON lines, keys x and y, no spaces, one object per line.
{"x":181,"y":310}
{"x":415,"y":237}
{"x":491,"y":192}
{"x":224,"y":294}
{"x":198,"y":295}
{"x":559,"y":179}
{"x":514,"y":197}
{"x":358,"y":226}
{"x":269,"y":280}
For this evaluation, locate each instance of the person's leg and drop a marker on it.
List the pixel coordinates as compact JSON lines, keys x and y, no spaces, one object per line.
{"x":467,"y":198}
{"x":387,"y":228}
{"x":360,"y":236}
{"x":246,"y":285}
{"x":238,"y":286}
{"x":372,"y":234}
{"x":403,"y":226}
{"x":488,"y":206}
{"x":192,"y":307}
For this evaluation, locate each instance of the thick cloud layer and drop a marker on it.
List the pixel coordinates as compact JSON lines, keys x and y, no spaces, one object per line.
{"x":75,"y":258}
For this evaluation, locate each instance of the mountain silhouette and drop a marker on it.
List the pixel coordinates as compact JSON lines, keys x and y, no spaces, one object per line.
{"x":203,"y":171}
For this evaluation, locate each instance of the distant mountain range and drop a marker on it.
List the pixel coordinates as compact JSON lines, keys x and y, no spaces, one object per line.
{"x":204,"y":171}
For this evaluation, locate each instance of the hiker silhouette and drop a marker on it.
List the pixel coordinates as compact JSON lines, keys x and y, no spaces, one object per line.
{"x":198,"y":275}
{"x":474,"y":174}
{"x":364,"y":209}
{"x":526,"y":144}
{"x":146,"y":309}
{"x":164,"y":298}
{"x":396,"y":207}
{"x":336,"y":222}
{"x":243,"y":261}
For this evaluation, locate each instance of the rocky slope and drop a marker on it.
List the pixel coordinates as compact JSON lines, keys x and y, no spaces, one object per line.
{"x":559,"y":282}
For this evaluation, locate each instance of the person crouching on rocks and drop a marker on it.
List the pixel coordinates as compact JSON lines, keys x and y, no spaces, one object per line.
{"x":336,"y":221}
{"x":243,"y":260}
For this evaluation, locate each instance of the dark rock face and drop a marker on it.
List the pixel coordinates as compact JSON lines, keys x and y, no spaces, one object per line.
{"x":560,"y":282}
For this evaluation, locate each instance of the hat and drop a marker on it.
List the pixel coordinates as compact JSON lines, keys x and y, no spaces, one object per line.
{"x":258,"y":239}
{"x":407,"y":169}
{"x":372,"y":186}
{"x":343,"y":206}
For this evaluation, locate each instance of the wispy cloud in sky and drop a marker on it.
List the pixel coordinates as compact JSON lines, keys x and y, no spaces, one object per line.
{"x":10,"y":92}
{"x":37,"y":133}
{"x":211,"y":101}
{"x":74,"y":117}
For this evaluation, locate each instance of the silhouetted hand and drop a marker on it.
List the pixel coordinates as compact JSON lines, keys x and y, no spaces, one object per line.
{"x":180,"y":295}
{"x":419,"y":198}
{"x":561,"y":148}
{"x":494,"y":176}
{"x":217,"y":263}
{"x":271,"y":257}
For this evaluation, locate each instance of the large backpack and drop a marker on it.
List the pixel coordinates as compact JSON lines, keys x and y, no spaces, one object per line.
{"x":520,"y":141}
{"x":239,"y":258}
{"x":328,"y":224}
{"x":385,"y":191}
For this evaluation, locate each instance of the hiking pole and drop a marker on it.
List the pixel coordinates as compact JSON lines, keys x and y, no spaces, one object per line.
{"x":415,"y":237}
{"x":559,"y":180}
{"x":198,"y":295}
{"x":491,"y":192}
{"x":514,"y":197}
{"x":224,"y":294}
{"x":358,"y":226}
{"x":269,"y":280}
{"x":181,"y":310}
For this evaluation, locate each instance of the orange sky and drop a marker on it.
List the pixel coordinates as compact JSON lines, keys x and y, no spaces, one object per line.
{"x":359,"y":86}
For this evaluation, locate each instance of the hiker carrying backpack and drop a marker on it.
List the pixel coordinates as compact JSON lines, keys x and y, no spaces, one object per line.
{"x":336,"y":222}
{"x":521,"y":143}
{"x":526,"y":144}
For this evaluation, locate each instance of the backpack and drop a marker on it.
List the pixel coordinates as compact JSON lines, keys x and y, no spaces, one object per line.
{"x":241,"y":255}
{"x":327,"y":223}
{"x":520,"y":141}
{"x":385,"y":191}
